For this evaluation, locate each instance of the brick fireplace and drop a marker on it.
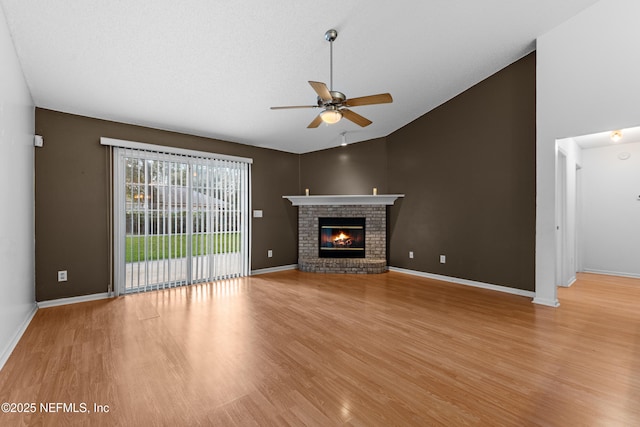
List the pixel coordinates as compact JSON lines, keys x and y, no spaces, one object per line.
{"x":311,"y":209}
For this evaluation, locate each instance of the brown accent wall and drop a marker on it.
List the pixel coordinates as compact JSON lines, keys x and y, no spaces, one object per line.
{"x":468,"y":171}
{"x":354,"y":169}
{"x":71,"y":199}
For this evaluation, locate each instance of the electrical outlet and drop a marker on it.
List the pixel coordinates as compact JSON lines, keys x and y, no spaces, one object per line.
{"x":62,"y":276}
{"x":270,"y":253}
{"x":411,"y":254}
{"x":443,"y":259}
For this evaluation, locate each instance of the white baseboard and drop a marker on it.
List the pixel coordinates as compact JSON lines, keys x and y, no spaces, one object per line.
{"x":611,"y":273}
{"x":4,"y":356}
{"x":547,"y":302}
{"x":570,"y":282}
{"x":73,"y":300}
{"x":466,"y":282}
{"x":274,"y":269}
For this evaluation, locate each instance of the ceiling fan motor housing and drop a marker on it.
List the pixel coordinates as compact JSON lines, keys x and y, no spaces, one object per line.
{"x":337,"y":99}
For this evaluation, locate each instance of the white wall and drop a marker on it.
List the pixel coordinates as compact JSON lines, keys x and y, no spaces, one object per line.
{"x":611,"y":210}
{"x":587,"y":82}
{"x":17,"y":288}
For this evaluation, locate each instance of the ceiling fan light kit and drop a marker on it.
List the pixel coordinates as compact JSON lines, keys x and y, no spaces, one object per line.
{"x":334,"y":103}
{"x":331,"y":116}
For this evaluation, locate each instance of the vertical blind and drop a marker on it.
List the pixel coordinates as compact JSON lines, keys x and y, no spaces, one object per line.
{"x":179,"y":217}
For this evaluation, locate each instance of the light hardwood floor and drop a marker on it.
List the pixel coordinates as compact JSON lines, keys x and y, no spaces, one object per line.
{"x":295,"y":348}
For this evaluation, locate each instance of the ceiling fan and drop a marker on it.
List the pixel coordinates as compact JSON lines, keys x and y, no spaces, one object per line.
{"x":333,"y":103}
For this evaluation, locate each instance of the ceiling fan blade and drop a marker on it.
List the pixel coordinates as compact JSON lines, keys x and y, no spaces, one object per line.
{"x":322,"y":90}
{"x":355,"y":117}
{"x":382,"y":98}
{"x":294,"y":106}
{"x":316,"y":122}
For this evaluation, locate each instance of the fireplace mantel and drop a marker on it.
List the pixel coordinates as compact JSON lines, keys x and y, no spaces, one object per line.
{"x":339,"y":199}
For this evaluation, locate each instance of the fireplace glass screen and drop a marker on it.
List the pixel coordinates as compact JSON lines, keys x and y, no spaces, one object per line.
{"x":341,"y":237}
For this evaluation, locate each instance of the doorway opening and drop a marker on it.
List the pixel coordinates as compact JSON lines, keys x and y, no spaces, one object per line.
{"x":597,"y":205}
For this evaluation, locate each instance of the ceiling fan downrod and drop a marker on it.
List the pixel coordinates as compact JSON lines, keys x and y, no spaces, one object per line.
{"x":330,"y":36}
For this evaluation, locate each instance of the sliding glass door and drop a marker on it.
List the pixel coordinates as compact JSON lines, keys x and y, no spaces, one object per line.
{"x":178,"y":219}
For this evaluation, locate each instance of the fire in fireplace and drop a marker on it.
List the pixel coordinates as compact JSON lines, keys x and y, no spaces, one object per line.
{"x":341,"y":237}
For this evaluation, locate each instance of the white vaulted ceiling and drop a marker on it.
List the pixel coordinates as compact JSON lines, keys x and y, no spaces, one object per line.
{"x":213,"y":68}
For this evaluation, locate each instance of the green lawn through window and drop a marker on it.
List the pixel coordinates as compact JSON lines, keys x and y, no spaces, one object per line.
{"x":163,"y":246}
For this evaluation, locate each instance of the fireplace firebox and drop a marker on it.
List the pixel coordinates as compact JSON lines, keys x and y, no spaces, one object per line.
{"x":341,"y":237}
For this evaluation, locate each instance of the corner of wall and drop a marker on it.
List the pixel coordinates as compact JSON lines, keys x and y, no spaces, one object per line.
{"x":17,"y":236}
